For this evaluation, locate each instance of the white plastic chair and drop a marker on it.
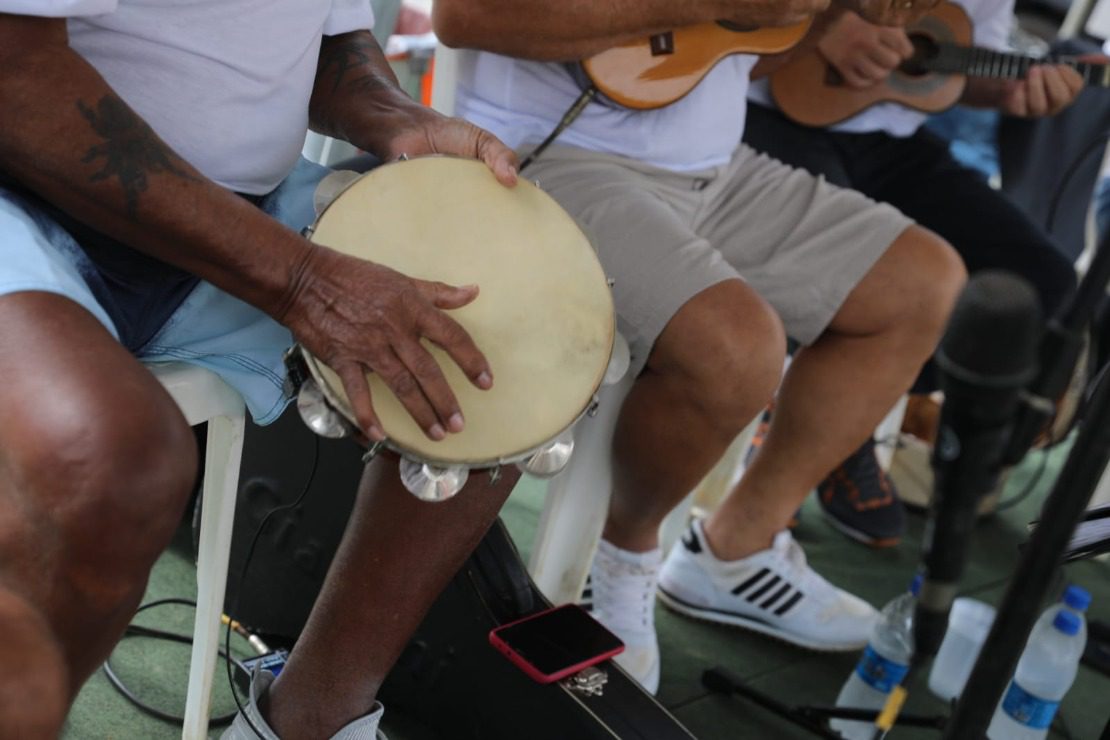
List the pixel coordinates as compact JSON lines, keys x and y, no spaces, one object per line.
{"x":203,"y":397}
{"x":577,"y":501}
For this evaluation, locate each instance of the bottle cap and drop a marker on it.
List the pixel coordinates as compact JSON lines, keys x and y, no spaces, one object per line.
{"x":1067,"y":622}
{"x":915,"y":584}
{"x":1077,"y":598}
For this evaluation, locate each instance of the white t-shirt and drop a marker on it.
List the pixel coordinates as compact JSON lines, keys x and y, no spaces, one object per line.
{"x":991,"y":20}
{"x":225,"y":82}
{"x":522,"y":102}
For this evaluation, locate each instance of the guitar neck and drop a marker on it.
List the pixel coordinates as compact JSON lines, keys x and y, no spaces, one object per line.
{"x":975,"y":61}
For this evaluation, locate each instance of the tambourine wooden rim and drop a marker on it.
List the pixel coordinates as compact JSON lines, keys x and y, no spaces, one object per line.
{"x":581,"y":304}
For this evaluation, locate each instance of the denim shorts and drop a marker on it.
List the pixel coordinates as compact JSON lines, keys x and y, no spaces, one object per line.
{"x":158,"y":312}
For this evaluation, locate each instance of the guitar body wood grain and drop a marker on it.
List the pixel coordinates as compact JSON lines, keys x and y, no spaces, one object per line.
{"x":810,"y":92}
{"x":652,"y":73}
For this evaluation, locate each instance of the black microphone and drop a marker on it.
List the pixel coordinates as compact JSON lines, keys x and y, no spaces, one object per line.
{"x":987,"y":357}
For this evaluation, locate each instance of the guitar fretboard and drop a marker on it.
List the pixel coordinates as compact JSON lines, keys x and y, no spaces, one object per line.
{"x":975,"y":61}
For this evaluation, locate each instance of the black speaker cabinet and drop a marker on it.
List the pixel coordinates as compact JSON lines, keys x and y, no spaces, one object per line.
{"x":292,"y":554}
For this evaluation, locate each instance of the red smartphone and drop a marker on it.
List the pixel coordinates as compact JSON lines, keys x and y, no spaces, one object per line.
{"x":555,"y":643}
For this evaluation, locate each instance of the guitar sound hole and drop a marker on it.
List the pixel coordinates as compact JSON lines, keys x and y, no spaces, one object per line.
{"x":925,"y":50}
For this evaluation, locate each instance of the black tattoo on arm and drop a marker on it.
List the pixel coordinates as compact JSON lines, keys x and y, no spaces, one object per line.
{"x":357,"y":52}
{"x":131,"y":150}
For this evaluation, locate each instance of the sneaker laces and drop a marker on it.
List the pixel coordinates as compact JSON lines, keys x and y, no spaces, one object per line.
{"x":788,"y":551}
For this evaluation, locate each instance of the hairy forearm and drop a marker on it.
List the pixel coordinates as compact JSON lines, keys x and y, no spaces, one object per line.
{"x":569,"y":30}
{"x":69,"y":138}
{"x":356,"y":96}
{"x":768,"y":63}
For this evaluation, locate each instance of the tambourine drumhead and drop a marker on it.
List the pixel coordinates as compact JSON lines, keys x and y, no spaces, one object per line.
{"x":543,"y":318}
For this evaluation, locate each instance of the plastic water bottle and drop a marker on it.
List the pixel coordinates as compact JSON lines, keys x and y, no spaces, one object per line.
{"x":1045,"y":672}
{"x":884,"y":662}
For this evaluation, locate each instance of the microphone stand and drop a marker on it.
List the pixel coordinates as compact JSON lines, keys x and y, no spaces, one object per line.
{"x":1062,"y":511}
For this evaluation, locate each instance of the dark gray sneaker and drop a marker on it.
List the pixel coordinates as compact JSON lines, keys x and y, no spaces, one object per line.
{"x":859,"y":499}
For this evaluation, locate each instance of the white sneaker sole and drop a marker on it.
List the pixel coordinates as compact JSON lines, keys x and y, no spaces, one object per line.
{"x":733,"y":619}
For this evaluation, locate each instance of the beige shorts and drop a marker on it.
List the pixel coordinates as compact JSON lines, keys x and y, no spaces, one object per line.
{"x":664,"y":237}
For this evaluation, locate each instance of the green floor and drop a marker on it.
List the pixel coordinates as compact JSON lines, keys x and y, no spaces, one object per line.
{"x":157,"y":671}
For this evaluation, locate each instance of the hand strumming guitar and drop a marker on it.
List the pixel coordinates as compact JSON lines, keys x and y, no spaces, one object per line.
{"x":863,"y":53}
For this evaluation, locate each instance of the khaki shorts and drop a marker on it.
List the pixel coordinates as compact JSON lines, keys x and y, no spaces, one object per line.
{"x":664,"y":237}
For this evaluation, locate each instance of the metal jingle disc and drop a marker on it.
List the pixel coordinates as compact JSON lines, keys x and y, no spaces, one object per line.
{"x":551,"y":458}
{"x":318,"y":414}
{"x":432,"y":483}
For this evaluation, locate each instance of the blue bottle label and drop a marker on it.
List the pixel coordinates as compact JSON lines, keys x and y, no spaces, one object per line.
{"x":1029,"y":710}
{"x":878,"y":672}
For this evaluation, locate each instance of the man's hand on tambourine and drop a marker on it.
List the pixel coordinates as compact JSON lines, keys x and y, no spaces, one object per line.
{"x":427,"y":132}
{"x":356,"y":316}
{"x":889,"y":12}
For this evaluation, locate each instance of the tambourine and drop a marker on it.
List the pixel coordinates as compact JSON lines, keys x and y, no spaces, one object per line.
{"x":544,"y":316}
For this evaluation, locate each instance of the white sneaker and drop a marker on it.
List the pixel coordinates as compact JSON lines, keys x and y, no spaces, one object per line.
{"x":250,"y":725}
{"x":773,"y":592}
{"x":620,"y":593}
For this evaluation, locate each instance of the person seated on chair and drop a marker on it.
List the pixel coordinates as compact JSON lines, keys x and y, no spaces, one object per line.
{"x":150,"y":202}
{"x":886,"y":154}
{"x":718,"y":254}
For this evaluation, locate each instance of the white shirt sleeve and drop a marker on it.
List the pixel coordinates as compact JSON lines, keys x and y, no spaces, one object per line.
{"x":993,"y":20}
{"x":345,"y":16}
{"x":58,"y":8}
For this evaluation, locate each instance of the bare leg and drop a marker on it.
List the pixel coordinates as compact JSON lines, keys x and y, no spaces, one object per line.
{"x":396,"y":556}
{"x":96,"y":464}
{"x":714,"y":367}
{"x":839,"y":388}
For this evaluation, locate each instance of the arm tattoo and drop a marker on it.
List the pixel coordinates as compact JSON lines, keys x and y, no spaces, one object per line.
{"x":356,"y":53}
{"x":131,"y":150}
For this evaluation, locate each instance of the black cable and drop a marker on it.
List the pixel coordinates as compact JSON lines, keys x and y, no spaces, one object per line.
{"x":134,"y":630}
{"x":1069,"y":173}
{"x":1017,"y":498}
{"x":246,"y":565}
{"x":1012,"y":501}
{"x":568,"y":118}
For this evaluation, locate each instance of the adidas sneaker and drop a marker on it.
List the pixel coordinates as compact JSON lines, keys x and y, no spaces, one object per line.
{"x":773,"y":592}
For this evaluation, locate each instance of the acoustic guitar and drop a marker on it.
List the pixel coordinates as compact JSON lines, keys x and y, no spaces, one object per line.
{"x":811,"y":92}
{"x":658,"y":70}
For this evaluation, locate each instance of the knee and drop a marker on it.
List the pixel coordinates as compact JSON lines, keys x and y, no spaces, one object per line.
{"x":931,"y":276}
{"x":112,"y":478}
{"x":726,"y":347}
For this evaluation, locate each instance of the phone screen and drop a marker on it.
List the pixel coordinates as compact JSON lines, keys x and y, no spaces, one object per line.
{"x":557,"y":639}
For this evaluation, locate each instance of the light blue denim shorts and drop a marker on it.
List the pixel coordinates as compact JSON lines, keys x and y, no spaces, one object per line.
{"x":210,"y":328}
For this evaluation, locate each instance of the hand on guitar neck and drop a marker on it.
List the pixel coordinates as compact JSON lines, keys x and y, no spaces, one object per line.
{"x":1045,"y":91}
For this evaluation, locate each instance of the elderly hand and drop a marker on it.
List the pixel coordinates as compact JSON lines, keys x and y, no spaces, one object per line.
{"x":424,"y":131}
{"x":358,"y":317}
{"x":864,"y":54}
